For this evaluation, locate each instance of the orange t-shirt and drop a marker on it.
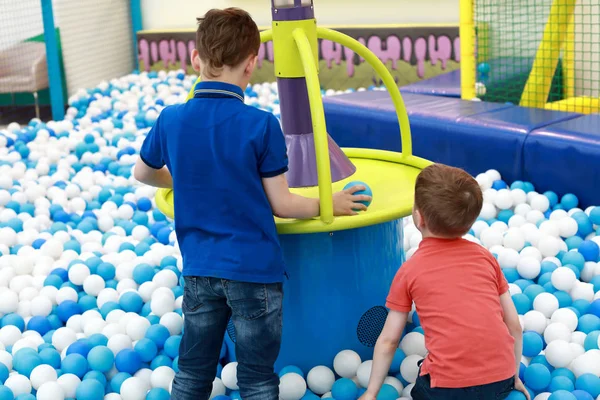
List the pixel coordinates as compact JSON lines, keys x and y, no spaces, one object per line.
{"x":456,"y":287}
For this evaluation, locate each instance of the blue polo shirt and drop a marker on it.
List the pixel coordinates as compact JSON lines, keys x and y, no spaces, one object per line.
{"x":217,"y":149}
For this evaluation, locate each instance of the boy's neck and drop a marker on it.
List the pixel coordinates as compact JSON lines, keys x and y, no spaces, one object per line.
{"x":225,"y":78}
{"x":428,"y":235}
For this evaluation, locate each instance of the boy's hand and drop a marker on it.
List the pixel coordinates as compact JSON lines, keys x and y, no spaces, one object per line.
{"x":345,"y":202}
{"x":368,"y":396}
{"x":520,"y":387}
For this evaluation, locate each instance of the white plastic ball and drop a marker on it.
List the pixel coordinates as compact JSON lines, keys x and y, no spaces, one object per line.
{"x":567,"y":226}
{"x":491,"y":237}
{"x":546,"y":303}
{"x":41,"y":306}
{"x":566,"y":317}
{"x":535,"y":321}
{"x":346,"y":363}
{"x":42,"y":374}
{"x":414,"y":343}
{"x":488,"y":211}
{"x":229,"y":376}
{"x":173,"y":322}
{"x":540,"y":203}
{"x":557,"y":331}
{"x":134,"y":389}
{"x":549,"y":246}
{"x":364,"y":373}
{"x":69,"y":383}
{"x":218,"y":388}
{"x":320,"y":379}
{"x":9,"y":335}
{"x":409,"y":368}
{"x":503,"y":199}
{"x":18,"y":384}
{"x":78,"y":273}
{"x":563,"y":278}
{"x":119,"y":342}
{"x":528,"y":267}
{"x":582,"y":291}
{"x":292,"y":387}
{"x":509,"y":258}
{"x":162,"y":377}
{"x":63,"y":338}
{"x":518,"y":196}
{"x":93,"y":285}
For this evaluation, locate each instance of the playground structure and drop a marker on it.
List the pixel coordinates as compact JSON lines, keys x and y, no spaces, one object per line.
{"x":543,"y":54}
{"x":334,"y":264}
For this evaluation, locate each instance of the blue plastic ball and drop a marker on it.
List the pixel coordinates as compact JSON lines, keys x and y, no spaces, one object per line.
{"x":75,"y":364}
{"x":158,"y":334}
{"x":161,"y":361}
{"x":90,"y":389}
{"x":575,"y":258}
{"x":172,"y":346}
{"x":3,"y":373}
{"x":399,"y":356}
{"x":143,"y":273}
{"x":588,"y":323}
{"x":131,"y":302}
{"x":6,"y":393}
{"x":289,"y":369}
{"x":569,"y":201}
{"x":117,"y":381}
{"x":367,"y":190}
{"x":537,"y":377}
{"x":81,"y":346}
{"x":158,"y":394}
{"x":144,"y":204}
{"x":67,"y":309}
{"x":589,"y":383}
{"x":533,"y":344}
{"x":51,"y":357}
{"x":514,"y":395}
{"x":387,"y":392}
{"x":562,"y":395}
{"x":581,"y":395}
{"x":128,"y":360}
{"x":594,"y":308}
{"x":589,"y":250}
{"x":522,"y":303}
{"x":345,"y":389}
{"x":483,"y":69}
{"x":15,"y":320}
{"x":101,"y":359}
{"x":146,"y":349}
{"x":561,"y":383}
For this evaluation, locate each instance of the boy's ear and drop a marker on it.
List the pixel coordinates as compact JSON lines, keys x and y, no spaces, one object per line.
{"x":418,"y":218}
{"x":195,"y":59}
{"x":251,"y":65}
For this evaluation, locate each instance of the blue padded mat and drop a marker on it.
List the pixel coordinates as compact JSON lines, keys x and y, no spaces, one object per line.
{"x":564,"y":157}
{"x":471,"y":135}
{"x":447,"y":84}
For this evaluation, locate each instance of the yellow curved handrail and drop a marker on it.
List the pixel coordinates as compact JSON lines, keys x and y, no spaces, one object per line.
{"x":384,"y":73}
{"x":318,"y":122}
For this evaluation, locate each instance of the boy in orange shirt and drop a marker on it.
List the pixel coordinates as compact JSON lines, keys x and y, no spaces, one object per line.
{"x":472,"y":330}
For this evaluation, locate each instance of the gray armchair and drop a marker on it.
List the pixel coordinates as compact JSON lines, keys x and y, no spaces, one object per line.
{"x":28,"y":74}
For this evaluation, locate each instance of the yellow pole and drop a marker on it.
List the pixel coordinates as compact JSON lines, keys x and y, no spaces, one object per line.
{"x":569,"y":60}
{"x":468,"y":63}
{"x":319,"y":128}
{"x":265,"y":36}
{"x":539,"y":82}
{"x":386,"y":77}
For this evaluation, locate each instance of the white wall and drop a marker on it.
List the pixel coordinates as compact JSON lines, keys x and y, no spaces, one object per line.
{"x":19,"y":20}
{"x":161,"y":14}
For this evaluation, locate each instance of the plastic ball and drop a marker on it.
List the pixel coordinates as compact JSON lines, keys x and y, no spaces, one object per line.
{"x":229,"y":376}
{"x":320,"y":379}
{"x":134,"y":389}
{"x":292,"y":387}
{"x":367,"y":191}
{"x":101,"y":358}
{"x":50,"y":391}
{"x":90,"y":389}
{"x":162,"y":377}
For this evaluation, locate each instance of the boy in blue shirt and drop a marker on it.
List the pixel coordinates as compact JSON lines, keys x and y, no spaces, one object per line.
{"x":226,"y":163}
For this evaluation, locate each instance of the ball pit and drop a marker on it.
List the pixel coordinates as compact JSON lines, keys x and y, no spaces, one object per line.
{"x":90,"y":273}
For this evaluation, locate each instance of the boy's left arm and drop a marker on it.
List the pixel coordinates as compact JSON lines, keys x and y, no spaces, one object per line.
{"x":385,"y":349}
{"x":150,"y":167}
{"x":160,"y":178}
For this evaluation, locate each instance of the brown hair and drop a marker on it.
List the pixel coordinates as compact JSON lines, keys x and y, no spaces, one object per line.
{"x":226,"y":38}
{"x":449,"y":200}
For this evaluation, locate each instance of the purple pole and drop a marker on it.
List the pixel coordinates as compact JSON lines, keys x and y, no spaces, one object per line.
{"x":297,"y":121}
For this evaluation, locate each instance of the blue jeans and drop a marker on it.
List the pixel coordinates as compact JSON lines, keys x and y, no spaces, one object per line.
{"x":256,"y":312}
{"x":493,"y":391}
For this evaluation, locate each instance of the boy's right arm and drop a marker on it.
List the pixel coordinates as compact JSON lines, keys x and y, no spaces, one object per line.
{"x":511,"y":319}
{"x":286,"y":204}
